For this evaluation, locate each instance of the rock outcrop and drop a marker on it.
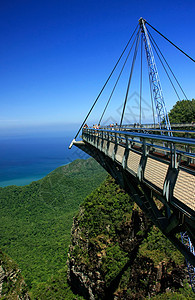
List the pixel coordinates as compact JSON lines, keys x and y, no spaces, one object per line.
{"x":2,"y":276}
{"x":12,"y":284}
{"x":115,"y":253}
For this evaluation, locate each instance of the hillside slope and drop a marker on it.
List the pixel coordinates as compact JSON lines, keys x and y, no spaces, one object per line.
{"x":36,"y":219}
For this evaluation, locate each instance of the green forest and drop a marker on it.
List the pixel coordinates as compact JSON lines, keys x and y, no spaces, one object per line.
{"x":183,"y":112}
{"x":36,"y":219}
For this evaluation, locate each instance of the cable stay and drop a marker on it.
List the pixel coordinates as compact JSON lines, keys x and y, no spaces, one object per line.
{"x":165,"y":69}
{"x":167,"y":65}
{"x":117,"y":80}
{"x":179,"y":85}
{"x":130,"y":77}
{"x":103,"y":87}
{"x":170,"y":41}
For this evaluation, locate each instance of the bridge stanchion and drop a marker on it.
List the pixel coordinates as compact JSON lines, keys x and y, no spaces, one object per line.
{"x":173,"y":156}
{"x":115,"y":147}
{"x":85,"y":134}
{"x":94,"y":138}
{"x":188,"y":149}
{"x":101,"y":135}
{"x":97,"y":139}
{"x":88,"y":135}
{"x":91,"y":137}
{"x":171,"y":176}
{"x":144,"y":147}
{"x":127,"y":149}
{"x":143,"y":160}
{"x":108,"y":142}
{"x":189,"y":159}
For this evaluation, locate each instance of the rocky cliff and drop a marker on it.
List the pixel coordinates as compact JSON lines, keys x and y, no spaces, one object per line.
{"x":115,"y":252}
{"x":12,"y":285}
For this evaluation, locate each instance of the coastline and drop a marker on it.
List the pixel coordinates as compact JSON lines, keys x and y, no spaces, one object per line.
{"x":20,"y":181}
{"x":27,"y":180}
{"x":24,"y":160}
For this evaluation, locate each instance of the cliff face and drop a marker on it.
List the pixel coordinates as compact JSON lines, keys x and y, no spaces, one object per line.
{"x":12,"y":285}
{"x":115,"y":253}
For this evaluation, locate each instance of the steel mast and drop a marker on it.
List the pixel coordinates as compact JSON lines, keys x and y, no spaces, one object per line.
{"x":162,"y":114}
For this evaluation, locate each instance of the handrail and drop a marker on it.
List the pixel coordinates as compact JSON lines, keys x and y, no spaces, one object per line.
{"x":146,"y":128}
{"x":170,"y":139}
{"x":175,"y":146}
{"x":157,"y":125}
{"x":161,"y":130}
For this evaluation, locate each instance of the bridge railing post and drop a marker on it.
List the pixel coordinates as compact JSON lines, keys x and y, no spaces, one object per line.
{"x":115,"y":147}
{"x":93,"y":136}
{"x":124,"y":160}
{"x":144,"y":147}
{"x":102,"y":137}
{"x":107,"y":136}
{"x":188,"y":149}
{"x":86,"y":134}
{"x":173,"y":156}
{"x":142,"y":164}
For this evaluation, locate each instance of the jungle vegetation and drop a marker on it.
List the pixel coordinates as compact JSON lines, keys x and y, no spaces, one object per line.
{"x":36,"y":219}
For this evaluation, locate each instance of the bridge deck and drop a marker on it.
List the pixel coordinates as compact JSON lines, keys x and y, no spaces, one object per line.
{"x":155,"y":160}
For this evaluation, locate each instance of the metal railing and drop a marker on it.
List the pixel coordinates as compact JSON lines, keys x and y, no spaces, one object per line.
{"x":175,"y":148}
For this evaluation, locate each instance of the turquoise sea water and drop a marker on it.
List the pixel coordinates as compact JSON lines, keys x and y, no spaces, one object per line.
{"x":23,"y":160}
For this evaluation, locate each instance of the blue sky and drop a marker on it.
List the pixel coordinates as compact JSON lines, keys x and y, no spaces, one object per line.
{"x":56,"y":55}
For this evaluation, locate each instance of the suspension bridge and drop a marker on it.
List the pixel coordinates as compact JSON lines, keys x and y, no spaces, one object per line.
{"x":154,"y":163}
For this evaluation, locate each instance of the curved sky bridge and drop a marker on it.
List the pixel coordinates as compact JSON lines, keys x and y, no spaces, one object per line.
{"x":154,"y":163}
{"x":149,"y":167}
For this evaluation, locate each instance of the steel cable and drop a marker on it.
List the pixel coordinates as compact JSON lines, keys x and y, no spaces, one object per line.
{"x":105,"y":83}
{"x":168,"y":66}
{"x":170,"y":41}
{"x":117,"y":80}
{"x":164,"y":68}
{"x":130,"y":77}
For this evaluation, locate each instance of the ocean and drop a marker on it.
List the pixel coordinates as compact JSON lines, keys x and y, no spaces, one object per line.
{"x":27,"y":159}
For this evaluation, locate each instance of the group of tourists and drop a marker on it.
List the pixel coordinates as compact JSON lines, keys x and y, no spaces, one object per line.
{"x":96,"y":126}
{"x":112,"y":125}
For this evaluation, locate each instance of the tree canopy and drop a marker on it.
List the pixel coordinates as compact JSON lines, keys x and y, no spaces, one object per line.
{"x":183,"y":112}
